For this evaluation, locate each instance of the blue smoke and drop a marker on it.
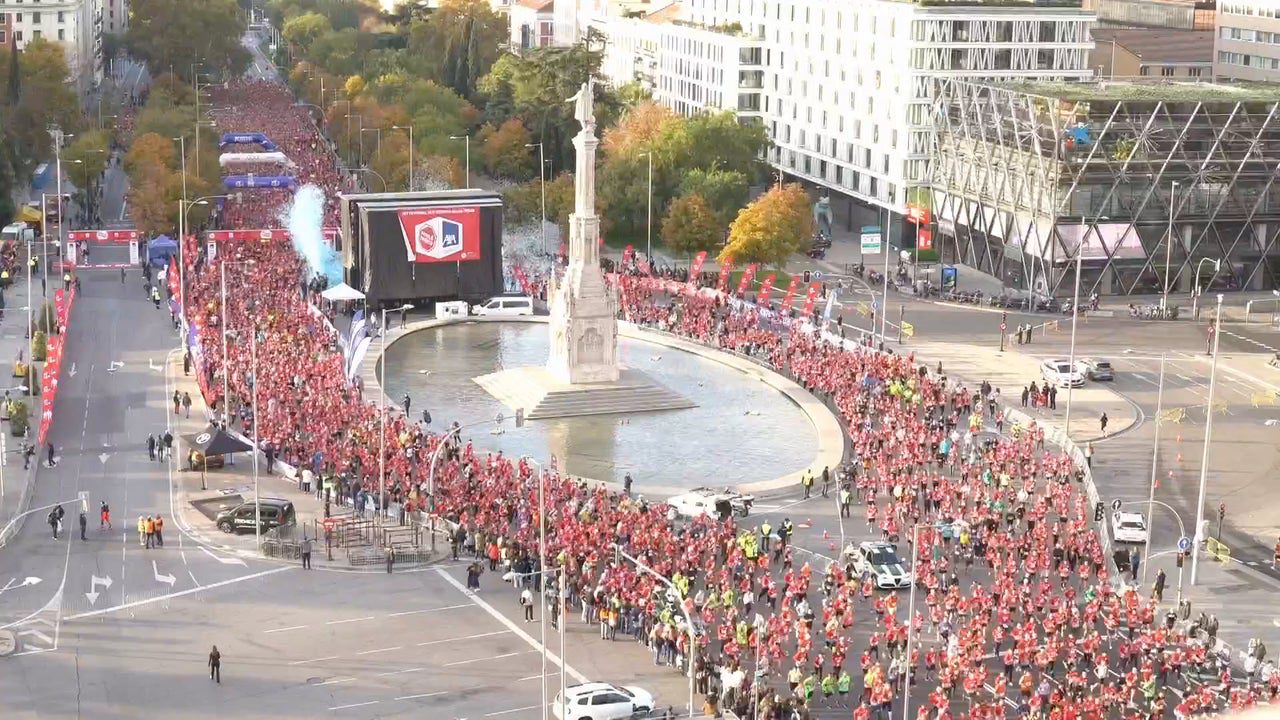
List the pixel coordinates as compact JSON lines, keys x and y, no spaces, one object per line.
{"x":305,"y":219}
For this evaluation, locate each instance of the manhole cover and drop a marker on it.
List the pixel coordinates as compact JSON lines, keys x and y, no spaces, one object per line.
{"x":314,"y":680}
{"x":8,"y":643}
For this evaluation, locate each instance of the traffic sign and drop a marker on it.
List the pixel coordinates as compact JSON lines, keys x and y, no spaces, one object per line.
{"x":1003,"y":327}
{"x":817,"y":274}
{"x":1184,"y":543}
{"x":1115,"y":504}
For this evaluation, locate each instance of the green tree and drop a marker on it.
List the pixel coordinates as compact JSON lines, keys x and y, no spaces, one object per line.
{"x":719,"y":140}
{"x":179,"y":33}
{"x":771,"y":228}
{"x":503,"y":150}
{"x":690,"y":225}
{"x":725,"y":191}
{"x":86,"y":158}
{"x":458,"y":44}
{"x":302,"y":31}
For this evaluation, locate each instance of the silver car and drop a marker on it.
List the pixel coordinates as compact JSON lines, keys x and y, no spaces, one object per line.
{"x":1095,"y":369}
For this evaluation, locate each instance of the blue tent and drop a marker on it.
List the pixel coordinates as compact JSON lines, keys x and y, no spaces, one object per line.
{"x":160,"y":249}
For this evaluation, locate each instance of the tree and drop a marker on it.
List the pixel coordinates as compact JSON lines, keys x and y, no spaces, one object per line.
{"x":302,"y":31}
{"x":771,"y":229}
{"x":719,"y":140}
{"x":725,"y":191}
{"x":503,"y":150}
{"x":85,"y":159}
{"x":458,"y":44}
{"x":178,"y":34}
{"x":690,"y":225}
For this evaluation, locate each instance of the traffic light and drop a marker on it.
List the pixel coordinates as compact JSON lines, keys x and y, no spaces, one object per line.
{"x":1182,"y":557}
{"x":807,"y":276}
{"x":1098,"y":510}
{"x":1004,"y":318}
{"x":519,"y":417}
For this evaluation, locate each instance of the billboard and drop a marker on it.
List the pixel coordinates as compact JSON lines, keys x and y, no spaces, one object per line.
{"x":445,"y":234}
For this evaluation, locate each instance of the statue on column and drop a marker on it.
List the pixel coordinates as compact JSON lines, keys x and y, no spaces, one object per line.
{"x":584,"y":104}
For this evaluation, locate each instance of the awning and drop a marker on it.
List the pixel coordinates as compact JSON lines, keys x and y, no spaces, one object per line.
{"x":26,"y":213}
{"x":342,"y":291}
{"x":213,"y":441}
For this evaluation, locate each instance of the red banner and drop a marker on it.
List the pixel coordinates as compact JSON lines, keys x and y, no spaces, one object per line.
{"x":765,"y":289}
{"x":696,"y":268}
{"x":791,"y":293}
{"x":747,"y":276}
{"x":810,"y":298}
{"x":924,"y":239}
{"x":446,"y":234}
{"x":726,"y":267}
{"x":114,"y":236}
{"x":265,"y":235}
{"x":62,"y":301}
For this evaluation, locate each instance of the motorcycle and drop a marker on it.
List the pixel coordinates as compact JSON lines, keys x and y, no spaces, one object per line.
{"x":816,"y":253}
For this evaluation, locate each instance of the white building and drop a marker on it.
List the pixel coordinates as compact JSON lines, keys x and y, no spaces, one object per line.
{"x":844,"y":89}
{"x":532,"y":23}
{"x":74,"y":24}
{"x":1247,"y":40}
{"x":115,"y":16}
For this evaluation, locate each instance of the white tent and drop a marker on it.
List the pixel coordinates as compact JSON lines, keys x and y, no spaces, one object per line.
{"x":342,"y":291}
{"x":251,"y":158}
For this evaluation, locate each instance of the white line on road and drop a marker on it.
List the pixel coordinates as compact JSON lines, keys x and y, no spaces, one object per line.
{"x":539,"y":675}
{"x":181,"y":593}
{"x":312,"y":660}
{"x":379,"y":650}
{"x":193,"y":575}
{"x":355,"y":705}
{"x":284,"y":629}
{"x":494,"y":657}
{"x":343,"y":622}
{"x":512,"y":710}
{"x":423,"y":695}
{"x":428,"y":610}
{"x":337,"y":681}
{"x":468,"y":637}
{"x":555,"y":659}
{"x":404,"y":672}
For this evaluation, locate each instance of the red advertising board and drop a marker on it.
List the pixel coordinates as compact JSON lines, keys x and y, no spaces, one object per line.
{"x":264,"y":235}
{"x":446,"y":234}
{"x":114,"y":236}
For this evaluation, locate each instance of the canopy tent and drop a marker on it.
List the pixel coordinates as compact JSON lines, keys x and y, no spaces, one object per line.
{"x":342,"y":291}
{"x":29,"y":214}
{"x":160,"y":249}
{"x":214,"y":441}
{"x":264,"y":158}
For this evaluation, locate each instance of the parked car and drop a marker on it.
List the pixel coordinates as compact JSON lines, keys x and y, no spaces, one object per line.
{"x":1060,"y":373}
{"x":1095,"y":369}
{"x":275,"y":512}
{"x":504,"y":305}
{"x":601,"y":701}
{"x":881,"y":560}
{"x":1129,"y":527}
{"x":707,"y":501}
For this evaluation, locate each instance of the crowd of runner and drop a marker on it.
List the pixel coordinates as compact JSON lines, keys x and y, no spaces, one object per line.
{"x":1016,"y":613}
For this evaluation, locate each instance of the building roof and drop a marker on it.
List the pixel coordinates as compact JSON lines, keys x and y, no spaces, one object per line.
{"x":546,"y":5}
{"x":664,"y":14}
{"x":1150,"y":90}
{"x":1161,"y":47}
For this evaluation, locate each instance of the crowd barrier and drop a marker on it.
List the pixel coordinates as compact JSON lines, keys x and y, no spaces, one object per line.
{"x":56,"y":342}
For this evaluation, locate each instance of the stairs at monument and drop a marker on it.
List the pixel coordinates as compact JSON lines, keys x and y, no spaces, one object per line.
{"x":607,"y":400}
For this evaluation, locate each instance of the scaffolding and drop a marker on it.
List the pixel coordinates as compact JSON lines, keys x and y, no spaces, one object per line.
{"x":1163,"y":187}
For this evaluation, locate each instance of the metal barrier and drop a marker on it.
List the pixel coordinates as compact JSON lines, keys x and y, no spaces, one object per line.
{"x":1217,"y":550}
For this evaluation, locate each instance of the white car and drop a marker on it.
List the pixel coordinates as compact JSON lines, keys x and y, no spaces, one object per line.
{"x":1095,"y":369}
{"x":1129,"y":527}
{"x":707,"y":501}
{"x":601,"y":701}
{"x":881,"y":560}
{"x":504,"y":306}
{"x":1060,"y":373}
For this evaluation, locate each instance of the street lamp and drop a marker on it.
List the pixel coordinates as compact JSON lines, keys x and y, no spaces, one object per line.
{"x":373,"y":173}
{"x":382,"y":413}
{"x":1208,"y":436}
{"x":200,"y":124}
{"x":359,"y":136}
{"x":542,"y":565}
{"x":467,"y":140}
{"x":184,"y":207}
{"x":372,"y":130}
{"x":648,"y":255}
{"x":1075,"y":315}
{"x":1168,"y":250}
{"x":1195,"y":296}
{"x":542,"y":179}
{"x":348,"y":103}
{"x":226,"y":361}
{"x":410,"y":129}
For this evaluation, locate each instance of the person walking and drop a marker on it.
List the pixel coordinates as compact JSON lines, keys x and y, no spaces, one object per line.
{"x":142,"y":531}
{"x":167,"y":443}
{"x":84,"y":524}
{"x":1157,"y":589}
{"x":177,"y":402}
{"x":305,"y":549}
{"x":149,"y":532}
{"x":52,"y":461}
{"x":807,"y":482}
{"x":151,"y":447}
{"x":1134,"y":560}
{"x":406,"y":401}
{"x":159,"y":531}
{"x":1102,"y":422}
{"x":186,"y":404}
{"x":215,"y":665}
{"x":104,"y":516}
{"x":526,"y":601}
{"x":391,"y":558}
{"x":54,"y":522}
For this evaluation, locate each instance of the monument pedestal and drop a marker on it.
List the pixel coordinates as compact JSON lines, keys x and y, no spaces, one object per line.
{"x":543,"y":395}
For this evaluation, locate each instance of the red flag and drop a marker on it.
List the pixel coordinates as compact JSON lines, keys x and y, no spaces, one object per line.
{"x":696,"y":268}
{"x":765,"y":288}
{"x":627,"y":255}
{"x":791,"y":293}
{"x":810,"y":298}
{"x":726,"y":267}
{"x":747,"y":276}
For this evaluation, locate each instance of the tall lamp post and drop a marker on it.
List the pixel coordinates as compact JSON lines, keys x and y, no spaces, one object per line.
{"x":226,"y":361}
{"x":1168,"y":253}
{"x":542,"y":179}
{"x":382,"y":412}
{"x":466,"y":139}
{"x":184,"y":207}
{"x":1071,"y":358}
{"x":1208,"y":436}
{"x":58,"y":138}
{"x":648,"y":254}
{"x":377,"y":151}
{"x":359,"y":137}
{"x":410,"y":129}
{"x":1195,"y":295}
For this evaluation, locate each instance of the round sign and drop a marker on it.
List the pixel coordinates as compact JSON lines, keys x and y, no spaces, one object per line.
{"x":202,"y":438}
{"x":1184,"y":543}
{"x":499,"y":418}
{"x":1003,"y":326}
{"x":817,"y":275}
{"x":1115,"y":504}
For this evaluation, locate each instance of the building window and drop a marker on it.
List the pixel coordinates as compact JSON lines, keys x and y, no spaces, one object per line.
{"x":35,"y":34}
{"x":62,"y":34}
{"x":61,"y":17}
{"x":17,"y":36}
{"x":1144,"y":70}
{"x":1166,"y":71}
{"x":35,"y":17}
{"x":3,"y":37}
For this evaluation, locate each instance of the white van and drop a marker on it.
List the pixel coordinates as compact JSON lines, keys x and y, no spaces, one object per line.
{"x":505,"y":305}
{"x":18,"y":232}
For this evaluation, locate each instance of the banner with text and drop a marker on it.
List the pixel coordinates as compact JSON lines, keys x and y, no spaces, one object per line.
{"x":447,"y":234}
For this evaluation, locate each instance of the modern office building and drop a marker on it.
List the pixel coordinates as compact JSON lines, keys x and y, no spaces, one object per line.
{"x":1161,"y":14}
{"x":1247,"y":40}
{"x":1140,"y":52}
{"x":1150,"y":183}
{"x":76,"y":25}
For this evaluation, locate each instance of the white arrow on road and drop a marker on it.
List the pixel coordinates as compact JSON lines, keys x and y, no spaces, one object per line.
{"x":224,"y":561}
{"x":94,"y":582}
{"x":13,"y":583}
{"x":152,"y":364}
{"x":114,"y":366}
{"x":73,"y":370}
{"x":104,"y":457}
{"x":162,"y":578}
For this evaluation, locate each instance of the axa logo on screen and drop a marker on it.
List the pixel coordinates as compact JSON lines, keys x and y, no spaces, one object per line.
{"x":432,"y":235}
{"x":437,"y":238}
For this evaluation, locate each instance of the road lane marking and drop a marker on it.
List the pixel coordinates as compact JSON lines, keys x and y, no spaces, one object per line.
{"x":355,"y":705}
{"x":342,"y":622}
{"x":510,"y":625}
{"x":312,"y":660}
{"x":379,"y":650}
{"x":429,"y":610}
{"x":512,"y":710}
{"x":181,"y":593}
{"x":468,"y":637}
{"x":337,"y":681}
{"x":403,"y":672}
{"x":284,"y":629}
{"x":193,"y":575}
{"x":494,"y":657}
{"x":423,"y":695}
{"x":539,"y":675}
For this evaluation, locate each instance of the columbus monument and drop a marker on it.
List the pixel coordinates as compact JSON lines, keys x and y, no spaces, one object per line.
{"x":582,"y":375}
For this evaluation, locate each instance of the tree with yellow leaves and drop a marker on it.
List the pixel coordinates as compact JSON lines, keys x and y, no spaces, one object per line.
{"x":503,"y":150}
{"x":771,"y":229}
{"x":690,"y":225}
